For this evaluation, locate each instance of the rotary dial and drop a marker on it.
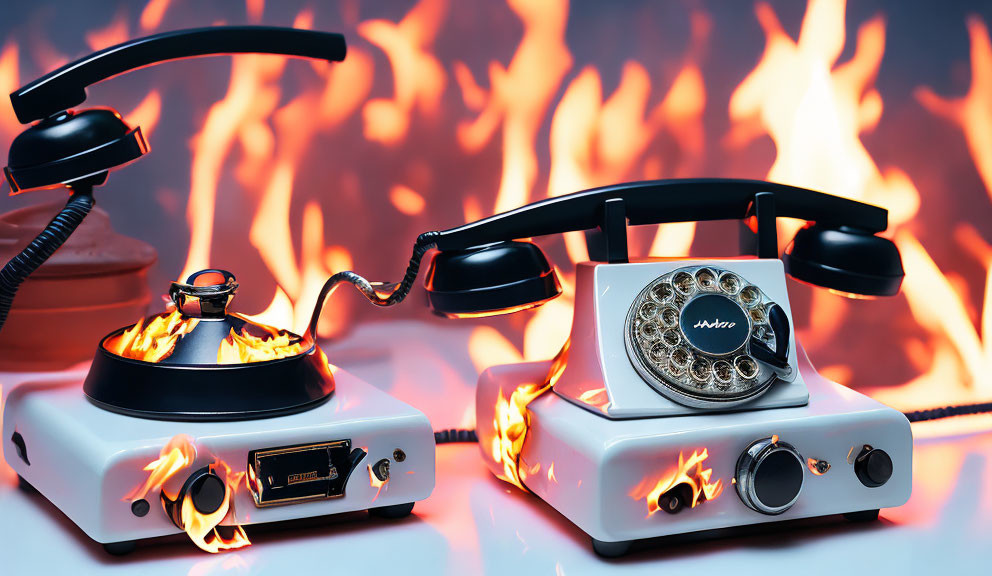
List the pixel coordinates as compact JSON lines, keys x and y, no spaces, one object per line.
{"x":706,"y":337}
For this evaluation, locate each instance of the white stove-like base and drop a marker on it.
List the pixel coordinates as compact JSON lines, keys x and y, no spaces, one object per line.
{"x":599,"y":463}
{"x":86,"y":460}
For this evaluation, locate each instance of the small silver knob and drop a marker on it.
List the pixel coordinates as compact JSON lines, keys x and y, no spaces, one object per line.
{"x":770,"y":476}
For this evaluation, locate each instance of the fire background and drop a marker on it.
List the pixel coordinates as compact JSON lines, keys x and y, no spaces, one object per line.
{"x":286,"y":171}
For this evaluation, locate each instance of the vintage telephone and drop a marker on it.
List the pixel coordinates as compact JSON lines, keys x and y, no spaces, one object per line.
{"x":77,"y":149}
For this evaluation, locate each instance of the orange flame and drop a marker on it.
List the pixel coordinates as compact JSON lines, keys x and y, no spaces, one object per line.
{"x":245,"y":347}
{"x":511,"y":420}
{"x":689,"y":472}
{"x":152,"y":14}
{"x":519,"y":96}
{"x":154,"y":342}
{"x":177,"y":454}
{"x":417,"y":75}
{"x":202,"y":528}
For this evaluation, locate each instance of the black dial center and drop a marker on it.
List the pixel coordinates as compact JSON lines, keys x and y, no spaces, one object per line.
{"x":207,"y":493}
{"x":778,"y":479}
{"x":714,"y":324}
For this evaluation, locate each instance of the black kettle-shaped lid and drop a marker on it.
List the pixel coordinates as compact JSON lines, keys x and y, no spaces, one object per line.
{"x":200,"y":331}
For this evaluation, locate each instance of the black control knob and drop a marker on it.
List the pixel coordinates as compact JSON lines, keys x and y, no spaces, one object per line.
{"x":207,"y":493}
{"x":873,"y":467}
{"x":205,"y":489}
{"x":770,"y":476}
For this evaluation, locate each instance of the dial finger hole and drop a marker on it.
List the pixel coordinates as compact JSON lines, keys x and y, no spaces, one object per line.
{"x":669,"y":316}
{"x":680,"y":359}
{"x":684,"y":283}
{"x":706,"y":279}
{"x":658,"y":353}
{"x":750,"y":295}
{"x":662,"y":292}
{"x":649,"y":331}
{"x":723,"y":372}
{"x":671,"y":338}
{"x":746,"y":367}
{"x":730,"y":283}
{"x":648,"y":311}
{"x":757,"y":315}
{"x":700,"y":370}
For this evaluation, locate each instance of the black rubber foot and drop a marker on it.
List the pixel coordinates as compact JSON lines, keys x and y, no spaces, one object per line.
{"x":26,"y":486}
{"x":392,"y":512}
{"x":611,"y":549}
{"x":120,"y":548}
{"x":863,"y":516}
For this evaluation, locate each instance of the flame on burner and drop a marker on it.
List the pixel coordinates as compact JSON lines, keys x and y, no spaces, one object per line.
{"x":374,"y":482}
{"x":245,"y":347}
{"x":177,"y":454}
{"x":689,"y":472}
{"x":154,"y":342}
{"x":511,"y":420}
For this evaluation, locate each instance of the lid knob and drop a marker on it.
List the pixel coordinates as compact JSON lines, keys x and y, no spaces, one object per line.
{"x":205,"y":294}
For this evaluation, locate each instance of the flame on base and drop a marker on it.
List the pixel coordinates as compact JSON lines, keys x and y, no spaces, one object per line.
{"x":154,"y":342}
{"x":689,"y":472}
{"x":202,"y":528}
{"x":177,"y":454}
{"x":511,"y":420}
{"x":374,"y":482}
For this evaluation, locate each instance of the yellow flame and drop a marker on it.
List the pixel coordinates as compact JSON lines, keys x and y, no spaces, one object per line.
{"x":154,"y":342}
{"x":201,"y":528}
{"x":177,"y":454}
{"x":245,"y":347}
{"x":511,"y":420}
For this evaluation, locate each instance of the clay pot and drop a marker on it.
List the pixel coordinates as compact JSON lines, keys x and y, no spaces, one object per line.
{"x":92,"y":285}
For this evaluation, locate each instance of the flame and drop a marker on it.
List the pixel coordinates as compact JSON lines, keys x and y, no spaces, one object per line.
{"x":177,"y":454}
{"x":202,"y":528}
{"x":406,"y":200}
{"x":972,"y":113}
{"x":245,"y":347}
{"x":815,"y":111}
{"x":251,"y":97}
{"x":154,"y":342}
{"x":551,"y":474}
{"x":511,"y":421}
{"x":113,"y":33}
{"x":418,"y":77}
{"x":518,"y":96}
{"x":689,"y":472}
{"x":152,"y":14}
{"x":374,"y":482}
{"x":146,"y":113}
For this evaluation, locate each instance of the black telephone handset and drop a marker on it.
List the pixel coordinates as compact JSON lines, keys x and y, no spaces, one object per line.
{"x":481,"y":268}
{"x":78,"y":148}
